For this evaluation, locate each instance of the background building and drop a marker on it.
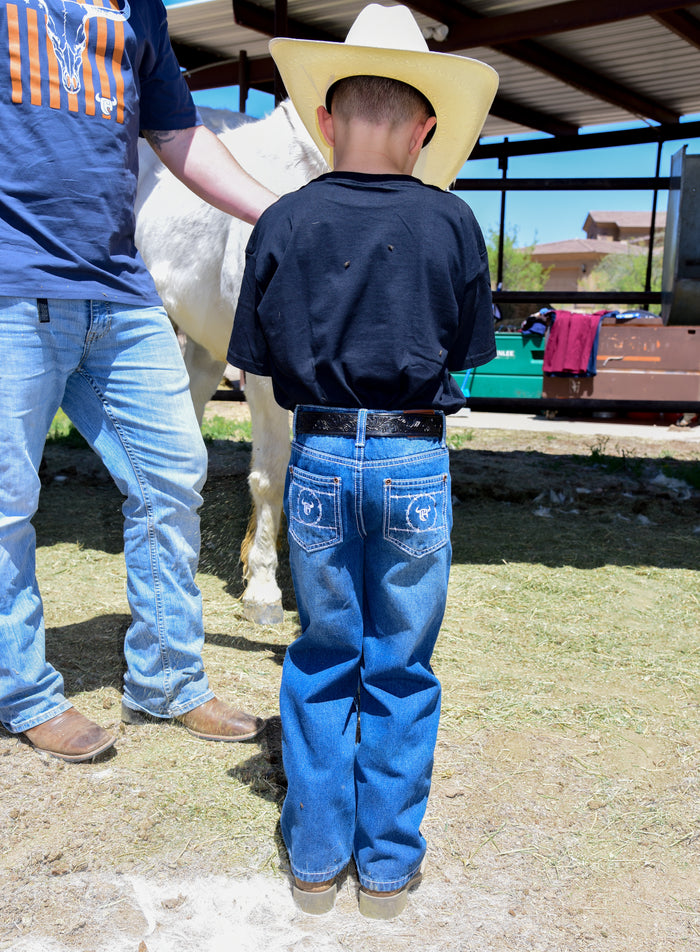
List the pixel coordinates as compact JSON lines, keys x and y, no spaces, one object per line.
{"x":607,"y":232}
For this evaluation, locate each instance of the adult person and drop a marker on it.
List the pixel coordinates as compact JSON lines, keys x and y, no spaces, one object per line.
{"x":82,"y":327}
{"x":362,"y":291}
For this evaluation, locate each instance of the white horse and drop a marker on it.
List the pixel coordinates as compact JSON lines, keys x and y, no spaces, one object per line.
{"x":196,"y":256}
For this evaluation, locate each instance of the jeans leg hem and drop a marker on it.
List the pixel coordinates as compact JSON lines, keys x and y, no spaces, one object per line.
{"x":390,"y":885}
{"x":174,"y":710}
{"x":318,"y":877}
{"x":187,"y":706}
{"x":27,"y":724}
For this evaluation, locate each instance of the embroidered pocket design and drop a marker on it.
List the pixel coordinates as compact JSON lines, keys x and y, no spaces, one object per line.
{"x":415,"y":514}
{"x":314,"y":510}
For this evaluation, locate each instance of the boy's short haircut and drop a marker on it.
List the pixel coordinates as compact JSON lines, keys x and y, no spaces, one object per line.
{"x":377,"y":99}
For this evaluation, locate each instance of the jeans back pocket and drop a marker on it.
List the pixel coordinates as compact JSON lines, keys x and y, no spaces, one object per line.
{"x":416,"y":513}
{"x":314,"y":510}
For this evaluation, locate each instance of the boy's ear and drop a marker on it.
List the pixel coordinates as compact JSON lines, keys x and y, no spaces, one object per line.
{"x":420,"y":131}
{"x":325,"y":124}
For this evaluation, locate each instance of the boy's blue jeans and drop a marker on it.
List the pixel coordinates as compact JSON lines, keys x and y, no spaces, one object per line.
{"x":369,"y":521}
{"x":118,"y":373}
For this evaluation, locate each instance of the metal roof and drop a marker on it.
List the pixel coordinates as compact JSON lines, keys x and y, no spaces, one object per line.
{"x":563,"y":66}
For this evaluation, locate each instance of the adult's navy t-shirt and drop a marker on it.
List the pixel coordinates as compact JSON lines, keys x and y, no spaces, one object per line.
{"x":365,"y":291}
{"x":77,"y":84}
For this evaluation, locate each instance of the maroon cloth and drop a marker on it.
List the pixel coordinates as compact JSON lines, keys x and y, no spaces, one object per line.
{"x":570,"y":343}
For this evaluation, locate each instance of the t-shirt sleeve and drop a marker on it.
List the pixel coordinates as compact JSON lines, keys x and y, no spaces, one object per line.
{"x":476,"y":340}
{"x":249,"y":345}
{"x":165,"y":99}
{"x":248,"y":348}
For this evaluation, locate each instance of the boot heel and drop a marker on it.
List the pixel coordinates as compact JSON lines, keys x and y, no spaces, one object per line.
{"x":316,"y":902}
{"x":388,"y":905}
{"x":383,"y":907}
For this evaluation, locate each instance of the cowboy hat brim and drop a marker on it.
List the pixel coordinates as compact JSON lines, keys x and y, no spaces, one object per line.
{"x":460,"y":90}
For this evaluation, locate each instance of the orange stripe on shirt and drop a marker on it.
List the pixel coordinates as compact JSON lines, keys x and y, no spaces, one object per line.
{"x":34,"y":61}
{"x":54,"y":75}
{"x":15,"y":52}
{"x":87,"y":74}
{"x":100,"y":48}
{"x":117,"y":56}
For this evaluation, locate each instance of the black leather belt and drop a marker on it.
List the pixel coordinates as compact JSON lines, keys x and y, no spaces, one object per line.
{"x":332,"y":423}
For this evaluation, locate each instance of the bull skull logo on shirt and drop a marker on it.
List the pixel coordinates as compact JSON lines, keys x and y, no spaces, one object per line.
{"x":106,"y":105}
{"x":68,"y":45}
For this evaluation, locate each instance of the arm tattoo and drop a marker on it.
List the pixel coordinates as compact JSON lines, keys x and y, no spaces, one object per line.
{"x":158,"y":139}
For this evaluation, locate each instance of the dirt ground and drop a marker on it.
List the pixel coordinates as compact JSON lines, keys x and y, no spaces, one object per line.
{"x":565,"y":811}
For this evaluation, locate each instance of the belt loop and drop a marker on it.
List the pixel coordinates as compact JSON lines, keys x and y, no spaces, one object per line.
{"x":294,"y":422}
{"x":361,"y":427}
{"x":43,"y":308}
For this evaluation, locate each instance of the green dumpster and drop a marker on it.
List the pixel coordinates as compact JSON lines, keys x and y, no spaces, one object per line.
{"x":515,"y":373}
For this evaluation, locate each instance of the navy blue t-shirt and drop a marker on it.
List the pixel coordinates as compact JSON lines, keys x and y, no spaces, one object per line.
{"x":77,"y":84}
{"x":365,"y":291}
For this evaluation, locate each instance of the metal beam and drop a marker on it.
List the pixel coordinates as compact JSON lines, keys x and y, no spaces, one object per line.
{"x":281,"y":28}
{"x":260,"y":73}
{"x":587,"y":81}
{"x":589,"y":297}
{"x":557,"y":18}
{"x":194,"y":57}
{"x":531,"y":118}
{"x":262,"y":20}
{"x":633,"y":183}
{"x":243,"y":80}
{"x":682,"y":24}
{"x":678,"y":132}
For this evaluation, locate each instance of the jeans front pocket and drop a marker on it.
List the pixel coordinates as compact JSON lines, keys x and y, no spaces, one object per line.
{"x":416,"y":514}
{"x":314,"y":510}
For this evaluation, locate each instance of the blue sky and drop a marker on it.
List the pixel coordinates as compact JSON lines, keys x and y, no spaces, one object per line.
{"x":537,"y":217}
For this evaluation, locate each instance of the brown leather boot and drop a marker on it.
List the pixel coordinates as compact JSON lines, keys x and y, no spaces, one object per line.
{"x":70,"y":736}
{"x":215,"y":720}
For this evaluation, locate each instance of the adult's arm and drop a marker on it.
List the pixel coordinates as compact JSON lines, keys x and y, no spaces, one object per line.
{"x":197,"y":157}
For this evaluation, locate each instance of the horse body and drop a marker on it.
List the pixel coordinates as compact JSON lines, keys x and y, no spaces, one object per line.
{"x":196,"y":255}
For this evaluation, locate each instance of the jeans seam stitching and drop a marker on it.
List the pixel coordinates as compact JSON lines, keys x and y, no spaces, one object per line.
{"x":151,"y":534}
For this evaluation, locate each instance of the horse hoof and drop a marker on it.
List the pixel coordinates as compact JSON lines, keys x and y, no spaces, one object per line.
{"x":261,"y":614}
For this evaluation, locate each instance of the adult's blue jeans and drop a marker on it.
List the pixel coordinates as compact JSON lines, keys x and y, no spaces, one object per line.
{"x":369,"y":521}
{"x":118,"y":373}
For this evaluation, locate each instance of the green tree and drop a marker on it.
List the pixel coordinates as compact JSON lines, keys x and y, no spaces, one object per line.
{"x":624,"y":272}
{"x":520,"y":271}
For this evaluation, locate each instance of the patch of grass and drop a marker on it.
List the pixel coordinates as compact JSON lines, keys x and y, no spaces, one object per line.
{"x":63,"y":431}
{"x":620,"y":461}
{"x":213,"y":428}
{"x":686,"y":470}
{"x":218,"y":428}
{"x":459,"y":439}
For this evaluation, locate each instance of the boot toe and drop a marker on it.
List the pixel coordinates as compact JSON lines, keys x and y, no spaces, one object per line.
{"x":215,"y":720}
{"x":70,"y":736}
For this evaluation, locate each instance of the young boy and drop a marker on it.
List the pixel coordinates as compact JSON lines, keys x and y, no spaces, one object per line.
{"x":362,"y":291}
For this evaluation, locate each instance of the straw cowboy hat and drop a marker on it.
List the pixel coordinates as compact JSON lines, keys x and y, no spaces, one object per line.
{"x":387,"y":41}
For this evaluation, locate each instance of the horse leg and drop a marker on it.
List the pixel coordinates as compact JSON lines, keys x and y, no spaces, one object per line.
{"x":205,"y":373}
{"x":262,"y":600}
